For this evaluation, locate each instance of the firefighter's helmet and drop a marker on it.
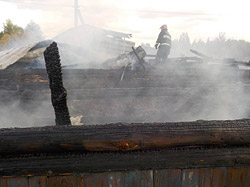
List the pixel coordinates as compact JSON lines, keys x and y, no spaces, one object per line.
{"x":164,"y":27}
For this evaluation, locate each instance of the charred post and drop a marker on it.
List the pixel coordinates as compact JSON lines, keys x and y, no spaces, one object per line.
{"x":58,"y":92}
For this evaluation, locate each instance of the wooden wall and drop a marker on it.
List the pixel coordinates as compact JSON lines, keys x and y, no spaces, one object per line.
{"x":202,"y":177}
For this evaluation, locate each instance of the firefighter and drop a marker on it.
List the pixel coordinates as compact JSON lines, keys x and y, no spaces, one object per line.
{"x":163,"y":44}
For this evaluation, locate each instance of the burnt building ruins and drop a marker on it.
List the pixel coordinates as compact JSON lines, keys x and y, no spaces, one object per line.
{"x":152,"y":120}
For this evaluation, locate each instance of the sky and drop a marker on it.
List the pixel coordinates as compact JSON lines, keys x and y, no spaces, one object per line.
{"x":141,"y":18}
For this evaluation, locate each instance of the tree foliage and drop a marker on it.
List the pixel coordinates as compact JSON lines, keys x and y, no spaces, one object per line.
{"x":220,"y":47}
{"x":15,"y":36}
{"x":10,"y":33}
{"x":11,"y":29}
{"x":33,"y":31}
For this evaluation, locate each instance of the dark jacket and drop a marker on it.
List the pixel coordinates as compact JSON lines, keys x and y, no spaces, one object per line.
{"x":164,"y":38}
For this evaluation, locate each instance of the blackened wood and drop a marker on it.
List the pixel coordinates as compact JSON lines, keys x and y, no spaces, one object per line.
{"x":167,"y":177}
{"x":58,"y":92}
{"x":140,"y":60}
{"x":124,"y":137}
{"x":89,"y":79}
{"x":46,"y":164}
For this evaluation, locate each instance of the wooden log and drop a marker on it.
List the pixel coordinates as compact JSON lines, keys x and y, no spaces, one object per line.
{"x":63,"y":163}
{"x":88,"y":79}
{"x":124,"y":137}
{"x":119,"y":147}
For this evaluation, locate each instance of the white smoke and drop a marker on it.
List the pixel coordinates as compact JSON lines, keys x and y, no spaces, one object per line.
{"x":178,"y":92}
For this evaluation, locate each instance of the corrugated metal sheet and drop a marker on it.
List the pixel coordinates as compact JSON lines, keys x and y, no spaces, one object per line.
{"x":10,"y":56}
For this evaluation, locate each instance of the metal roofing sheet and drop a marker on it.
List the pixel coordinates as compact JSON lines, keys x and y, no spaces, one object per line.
{"x":10,"y":56}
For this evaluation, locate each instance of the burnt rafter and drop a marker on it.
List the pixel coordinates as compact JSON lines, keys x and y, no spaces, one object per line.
{"x":58,"y":92}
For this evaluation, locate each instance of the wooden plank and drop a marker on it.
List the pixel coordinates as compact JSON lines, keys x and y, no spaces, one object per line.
{"x":40,"y":181}
{"x":3,"y":182}
{"x":59,"y":181}
{"x":114,"y":179}
{"x":167,"y":178}
{"x":96,"y":179}
{"x":229,"y":177}
{"x":190,"y":178}
{"x":209,"y":177}
{"x":237,"y":177}
{"x":18,"y":182}
{"x":245,"y":176}
{"x":140,"y":178}
{"x":204,"y":177}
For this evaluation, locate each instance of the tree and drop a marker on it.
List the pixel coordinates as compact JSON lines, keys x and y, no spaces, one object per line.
{"x":184,"y":39}
{"x":181,"y":46}
{"x":15,"y":36}
{"x":33,"y":32}
{"x":11,"y":29}
{"x":10,"y":33}
{"x":222,"y":37}
{"x":4,"y":39}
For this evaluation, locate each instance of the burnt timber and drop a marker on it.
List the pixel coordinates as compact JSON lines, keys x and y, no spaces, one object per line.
{"x":102,"y":98}
{"x":58,"y":92}
{"x":150,"y":151}
{"x":122,"y":147}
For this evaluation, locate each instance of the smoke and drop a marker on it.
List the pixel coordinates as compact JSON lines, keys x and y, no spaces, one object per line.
{"x":88,"y":46}
{"x":22,"y":112}
{"x":175,"y":91}
{"x":20,"y":104}
{"x":205,"y":91}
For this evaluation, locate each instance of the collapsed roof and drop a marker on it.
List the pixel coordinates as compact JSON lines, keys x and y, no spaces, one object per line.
{"x":96,"y":41}
{"x":81,"y":45}
{"x":25,"y":54}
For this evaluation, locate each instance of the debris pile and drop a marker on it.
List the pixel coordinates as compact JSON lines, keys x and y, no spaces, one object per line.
{"x":130,"y":58}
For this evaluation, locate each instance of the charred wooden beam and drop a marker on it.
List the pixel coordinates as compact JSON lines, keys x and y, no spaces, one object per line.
{"x":73,"y":163}
{"x":140,"y":60}
{"x":120,"y":147}
{"x":124,"y":137}
{"x":58,"y":92}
